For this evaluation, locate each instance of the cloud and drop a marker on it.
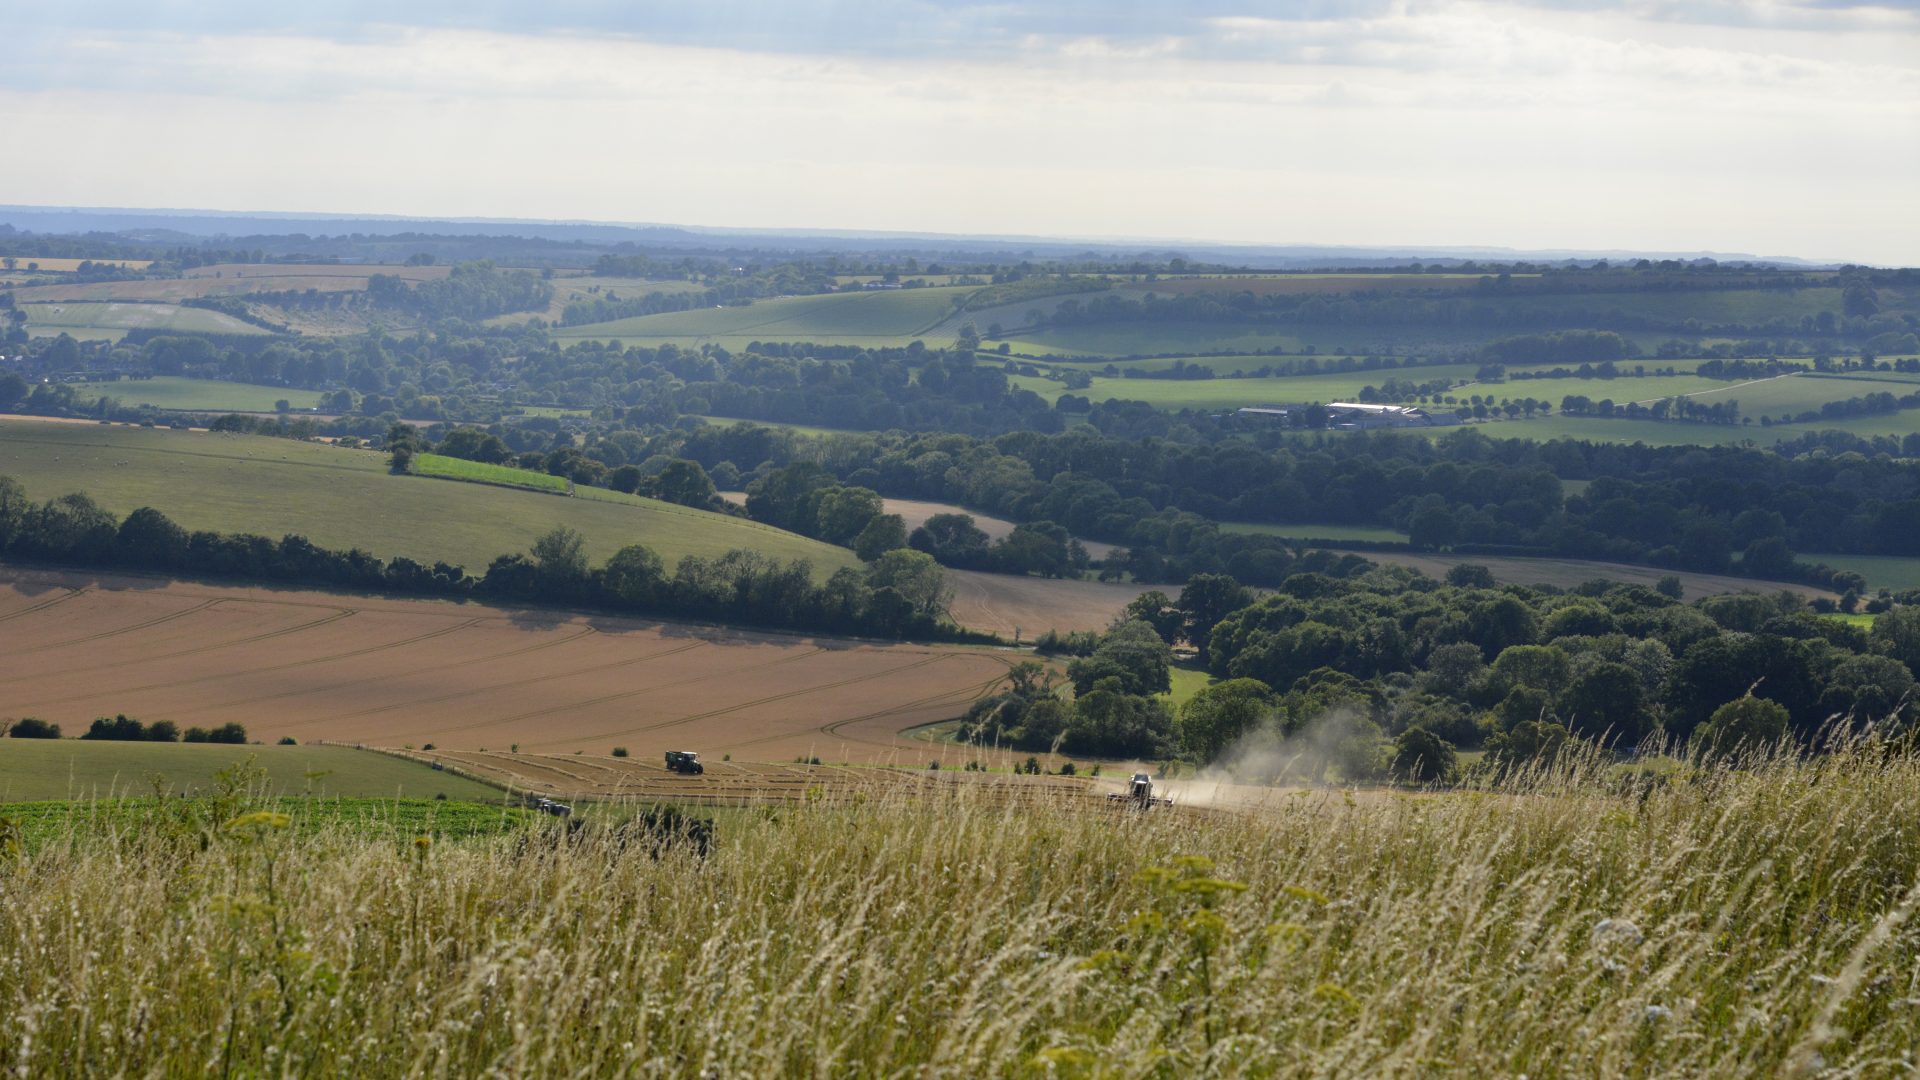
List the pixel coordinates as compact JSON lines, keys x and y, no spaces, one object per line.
{"x":1673,"y":126}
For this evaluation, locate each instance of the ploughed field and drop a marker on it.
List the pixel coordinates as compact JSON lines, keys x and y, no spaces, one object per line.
{"x":389,"y":672}
{"x":740,"y":783}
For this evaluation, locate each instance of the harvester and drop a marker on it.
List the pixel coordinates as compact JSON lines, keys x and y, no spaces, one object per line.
{"x":684,"y":761}
{"x":1139,"y":793}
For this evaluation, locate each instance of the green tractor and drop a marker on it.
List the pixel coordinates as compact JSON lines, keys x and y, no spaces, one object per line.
{"x":684,"y":761}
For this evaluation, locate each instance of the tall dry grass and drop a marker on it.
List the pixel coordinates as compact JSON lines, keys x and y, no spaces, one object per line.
{"x":1734,"y":922}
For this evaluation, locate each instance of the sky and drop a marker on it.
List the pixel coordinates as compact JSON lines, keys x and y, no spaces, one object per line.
{"x":1770,"y":127}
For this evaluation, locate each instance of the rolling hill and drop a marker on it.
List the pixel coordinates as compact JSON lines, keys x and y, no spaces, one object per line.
{"x":878,"y":318}
{"x":346,"y":498}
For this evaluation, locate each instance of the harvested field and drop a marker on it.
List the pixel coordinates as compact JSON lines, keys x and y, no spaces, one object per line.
{"x":1003,"y":603}
{"x":388,"y":672}
{"x":733,"y":783}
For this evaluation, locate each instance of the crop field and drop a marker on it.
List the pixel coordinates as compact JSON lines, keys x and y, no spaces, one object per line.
{"x":232,"y":279}
{"x":47,"y":320}
{"x":1235,"y":393}
{"x":1748,"y":306}
{"x":70,"y":768}
{"x":877,"y":318}
{"x":1310,"y":284}
{"x":69,"y":266}
{"x":1664,"y":433}
{"x":1005,"y":604}
{"x":1567,"y":573}
{"x":1881,"y":571}
{"x":200,"y":395}
{"x":571,"y":289}
{"x":344,"y":668}
{"x":1317,"y":532}
{"x":740,"y":783}
{"x":480,"y":472}
{"x":346,"y":498}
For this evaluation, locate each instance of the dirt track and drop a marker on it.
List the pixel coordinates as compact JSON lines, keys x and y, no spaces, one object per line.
{"x":393,"y":672}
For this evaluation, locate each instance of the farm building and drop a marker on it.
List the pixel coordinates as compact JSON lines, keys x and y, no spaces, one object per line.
{"x":1350,"y":414}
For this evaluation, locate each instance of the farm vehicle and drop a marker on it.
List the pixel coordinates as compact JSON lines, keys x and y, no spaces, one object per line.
{"x":1139,"y":793}
{"x":684,"y":761}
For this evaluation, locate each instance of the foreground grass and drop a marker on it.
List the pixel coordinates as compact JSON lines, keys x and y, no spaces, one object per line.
{"x":36,"y":769}
{"x":1730,"y":923}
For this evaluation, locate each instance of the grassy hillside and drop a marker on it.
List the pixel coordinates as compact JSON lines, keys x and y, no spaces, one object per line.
{"x":110,"y":319}
{"x":1561,"y":927}
{"x":892,"y":317}
{"x":480,"y":472}
{"x":347,"y":498}
{"x":36,"y":769}
{"x":211,"y":395}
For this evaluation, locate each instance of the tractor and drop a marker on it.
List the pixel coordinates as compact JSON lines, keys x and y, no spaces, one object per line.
{"x":684,"y":761}
{"x":1139,"y":793}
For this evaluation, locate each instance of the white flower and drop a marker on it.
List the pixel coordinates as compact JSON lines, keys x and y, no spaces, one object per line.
{"x":1657,"y":1012}
{"x":1622,"y":931}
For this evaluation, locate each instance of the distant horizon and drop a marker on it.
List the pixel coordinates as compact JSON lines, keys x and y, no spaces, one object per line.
{"x":1657,"y":126}
{"x":1450,"y":250}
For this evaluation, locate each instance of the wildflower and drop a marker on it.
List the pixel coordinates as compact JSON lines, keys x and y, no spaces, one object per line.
{"x":1621,"y":931}
{"x":1655,"y":1013}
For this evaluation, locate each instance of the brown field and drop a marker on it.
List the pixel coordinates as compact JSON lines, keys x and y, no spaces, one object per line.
{"x":1003,"y":603}
{"x":394,"y":672}
{"x":734,"y":783}
{"x":231,"y":279}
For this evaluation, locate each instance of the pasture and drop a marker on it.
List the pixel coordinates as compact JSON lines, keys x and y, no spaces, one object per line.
{"x":480,"y":472}
{"x":873,"y":318}
{"x":72,"y":768}
{"x":182,"y":394}
{"x":341,"y":498}
{"x":393,"y":673}
{"x":1893,"y":572}
{"x":115,"y":319}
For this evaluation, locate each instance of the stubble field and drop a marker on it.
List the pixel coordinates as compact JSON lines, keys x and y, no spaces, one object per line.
{"x":388,"y":672}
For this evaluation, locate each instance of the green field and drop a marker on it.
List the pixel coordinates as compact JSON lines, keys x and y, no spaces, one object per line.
{"x":1236,"y":393}
{"x":1317,"y":532}
{"x":480,"y":472}
{"x":1186,"y":682}
{"x":35,"y":769}
{"x":797,"y":429}
{"x":870,"y":318}
{"x":200,"y":395}
{"x":1160,"y":339}
{"x":117,"y":319}
{"x":346,"y":498}
{"x":1665,"y":433}
{"x":1881,"y":571}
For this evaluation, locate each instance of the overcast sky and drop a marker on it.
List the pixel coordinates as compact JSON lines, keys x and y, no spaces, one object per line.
{"x":1774,"y":127}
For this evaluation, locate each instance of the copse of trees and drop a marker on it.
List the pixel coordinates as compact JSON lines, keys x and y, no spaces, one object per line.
{"x":1413,"y":668}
